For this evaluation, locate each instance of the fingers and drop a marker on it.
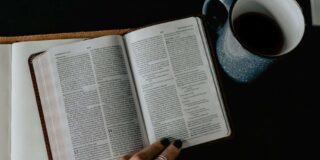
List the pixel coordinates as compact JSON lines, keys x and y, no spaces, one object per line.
{"x":150,"y":152}
{"x":171,"y":152}
{"x":128,"y":156}
{"x":160,"y":150}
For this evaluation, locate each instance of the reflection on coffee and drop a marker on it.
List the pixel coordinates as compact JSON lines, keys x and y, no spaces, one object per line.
{"x":259,"y":33}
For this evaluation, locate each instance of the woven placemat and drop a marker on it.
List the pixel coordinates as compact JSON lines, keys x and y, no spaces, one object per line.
{"x":85,"y":34}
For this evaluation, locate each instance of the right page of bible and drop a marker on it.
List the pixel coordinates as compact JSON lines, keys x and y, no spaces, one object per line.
{"x":176,"y":82}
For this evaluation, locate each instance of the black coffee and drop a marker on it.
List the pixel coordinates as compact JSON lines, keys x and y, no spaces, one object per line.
{"x":259,"y":33}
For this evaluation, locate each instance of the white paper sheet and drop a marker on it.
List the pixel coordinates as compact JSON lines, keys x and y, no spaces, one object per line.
{"x":5,"y":61}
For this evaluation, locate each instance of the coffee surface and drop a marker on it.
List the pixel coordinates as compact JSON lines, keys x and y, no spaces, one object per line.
{"x":259,"y":33}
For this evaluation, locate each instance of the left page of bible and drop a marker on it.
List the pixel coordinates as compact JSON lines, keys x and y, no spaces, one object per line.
{"x":27,"y":141}
{"x":87,"y":100}
{"x":5,"y":72}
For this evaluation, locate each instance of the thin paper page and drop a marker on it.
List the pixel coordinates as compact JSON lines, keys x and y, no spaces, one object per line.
{"x":5,"y":75}
{"x":27,"y":142}
{"x":96,"y":104}
{"x":174,"y":77}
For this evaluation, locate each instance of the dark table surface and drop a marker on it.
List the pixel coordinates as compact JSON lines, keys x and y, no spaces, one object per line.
{"x":275,"y":117}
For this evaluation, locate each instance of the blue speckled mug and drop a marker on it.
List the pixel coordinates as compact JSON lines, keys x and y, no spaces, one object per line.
{"x":243,"y":60}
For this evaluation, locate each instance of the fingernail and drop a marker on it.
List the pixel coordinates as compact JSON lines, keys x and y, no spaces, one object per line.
{"x":177,"y":143}
{"x":165,"y":142}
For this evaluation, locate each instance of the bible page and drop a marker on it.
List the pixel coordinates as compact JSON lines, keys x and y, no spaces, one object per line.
{"x":176,"y":82}
{"x":96,"y":107}
{"x":5,"y":96}
{"x":27,"y":141}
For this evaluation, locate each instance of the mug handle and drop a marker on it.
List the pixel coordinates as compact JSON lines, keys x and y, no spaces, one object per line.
{"x":217,"y":12}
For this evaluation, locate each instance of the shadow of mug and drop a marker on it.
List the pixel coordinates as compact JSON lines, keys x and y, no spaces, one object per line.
{"x":253,"y":34}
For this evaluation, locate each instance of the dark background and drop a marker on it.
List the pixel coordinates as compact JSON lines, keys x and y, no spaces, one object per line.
{"x":275,"y":117}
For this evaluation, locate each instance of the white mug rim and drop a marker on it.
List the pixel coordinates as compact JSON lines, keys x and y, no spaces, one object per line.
{"x":230,"y":19}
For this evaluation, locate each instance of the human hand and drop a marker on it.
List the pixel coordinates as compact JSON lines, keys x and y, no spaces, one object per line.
{"x":160,"y":150}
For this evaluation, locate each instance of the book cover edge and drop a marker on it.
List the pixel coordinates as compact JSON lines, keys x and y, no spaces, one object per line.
{"x":38,"y":101}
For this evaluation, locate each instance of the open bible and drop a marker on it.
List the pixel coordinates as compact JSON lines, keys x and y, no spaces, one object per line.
{"x":101,"y":98}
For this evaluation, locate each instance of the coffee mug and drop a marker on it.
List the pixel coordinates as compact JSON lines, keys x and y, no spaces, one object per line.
{"x":253,"y":34}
